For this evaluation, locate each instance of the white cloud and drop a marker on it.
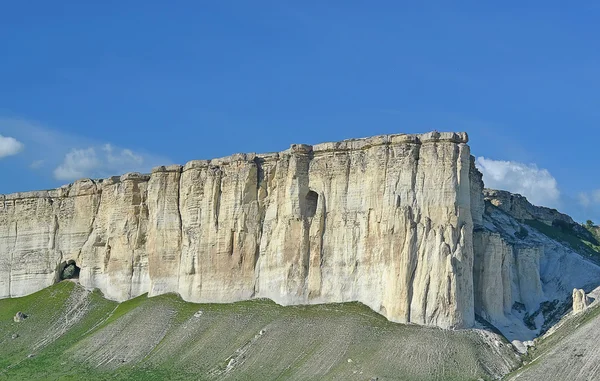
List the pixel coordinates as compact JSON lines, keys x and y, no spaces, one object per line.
{"x":10,"y":146}
{"x":37,"y":164}
{"x":100,"y":161}
{"x":584,"y":199}
{"x":67,"y":157}
{"x":538,"y":185}
{"x":588,"y":199}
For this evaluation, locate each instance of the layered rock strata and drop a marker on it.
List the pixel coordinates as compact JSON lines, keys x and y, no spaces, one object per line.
{"x":386,"y":221}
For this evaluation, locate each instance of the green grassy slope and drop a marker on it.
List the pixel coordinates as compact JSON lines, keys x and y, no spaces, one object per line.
{"x":72,"y":334}
{"x":583,"y":241}
{"x":570,"y":352}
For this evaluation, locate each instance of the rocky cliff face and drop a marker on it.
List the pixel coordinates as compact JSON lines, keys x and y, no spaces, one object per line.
{"x":523,"y":278}
{"x":386,"y":221}
{"x":401,"y":223}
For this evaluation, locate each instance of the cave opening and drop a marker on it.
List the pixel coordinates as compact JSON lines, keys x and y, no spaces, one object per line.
{"x":312,"y":199}
{"x":69,"y":270}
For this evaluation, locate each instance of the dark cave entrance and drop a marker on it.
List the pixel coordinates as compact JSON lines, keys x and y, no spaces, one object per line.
{"x":68,"y":270}
{"x":312,"y":199}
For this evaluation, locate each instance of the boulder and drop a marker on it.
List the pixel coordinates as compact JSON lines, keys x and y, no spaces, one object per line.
{"x":19,"y":317}
{"x":580,"y":300}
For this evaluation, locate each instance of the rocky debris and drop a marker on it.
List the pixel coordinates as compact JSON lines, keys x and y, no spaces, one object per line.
{"x":198,"y":314}
{"x":19,"y":317}
{"x":580,"y":300}
{"x":522,"y":346}
{"x":70,"y":271}
{"x":14,"y":336}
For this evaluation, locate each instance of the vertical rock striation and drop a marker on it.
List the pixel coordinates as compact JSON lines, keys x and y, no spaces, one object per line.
{"x":397,"y":222}
{"x":386,"y":221}
{"x":524,"y":279}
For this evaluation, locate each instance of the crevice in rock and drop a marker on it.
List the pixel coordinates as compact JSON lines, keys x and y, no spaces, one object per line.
{"x":140,"y":202}
{"x":94,"y":216}
{"x":107,"y":252}
{"x":260,"y":180}
{"x":230,"y":248}
{"x":180,"y":238}
{"x":385,"y":169}
{"x":322,"y":227}
{"x":426,"y":293}
{"x":131,"y":272}
{"x":414,"y":175}
{"x":412,"y":262}
{"x":55,"y":229}
{"x":260,"y":173}
{"x":347,"y":174}
{"x":218,"y":192}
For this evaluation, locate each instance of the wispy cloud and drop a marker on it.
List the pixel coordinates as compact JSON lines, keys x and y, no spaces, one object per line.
{"x":537,"y":184}
{"x":588,"y":205}
{"x":37,"y":164}
{"x":100,"y":162}
{"x":67,"y":157}
{"x":10,"y":146}
{"x":588,"y":199}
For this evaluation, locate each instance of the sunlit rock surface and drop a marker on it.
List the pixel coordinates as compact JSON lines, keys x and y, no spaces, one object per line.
{"x":397,"y":222}
{"x":385,"y":221}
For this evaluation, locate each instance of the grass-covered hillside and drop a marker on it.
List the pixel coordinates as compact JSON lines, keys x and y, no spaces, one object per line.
{"x":582,"y":239}
{"x":74,"y":334}
{"x":569,"y":352}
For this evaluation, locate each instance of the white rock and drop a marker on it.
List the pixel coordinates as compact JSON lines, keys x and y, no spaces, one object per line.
{"x":580,"y":300}
{"x":386,"y":221}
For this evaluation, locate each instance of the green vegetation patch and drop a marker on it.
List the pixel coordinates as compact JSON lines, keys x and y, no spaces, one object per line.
{"x":586,"y":244}
{"x":567,"y":328}
{"x":72,"y":334}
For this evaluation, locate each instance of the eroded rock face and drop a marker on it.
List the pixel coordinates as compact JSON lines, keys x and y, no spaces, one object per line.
{"x":523,"y":279}
{"x":580,"y":300}
{"x":401,"y":223}
{"x":386,"y":221}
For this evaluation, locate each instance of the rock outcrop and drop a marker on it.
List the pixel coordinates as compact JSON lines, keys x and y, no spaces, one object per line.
{"x":580,"y":300}
{"x":19,"y":317}
{"x":386,"y":221}
{"x":518,"y":207}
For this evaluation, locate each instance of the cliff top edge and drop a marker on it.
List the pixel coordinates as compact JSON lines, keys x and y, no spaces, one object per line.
{"x":87,"y":186}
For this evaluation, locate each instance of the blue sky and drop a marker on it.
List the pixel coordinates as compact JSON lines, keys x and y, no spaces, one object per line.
{"x":97,"y":89}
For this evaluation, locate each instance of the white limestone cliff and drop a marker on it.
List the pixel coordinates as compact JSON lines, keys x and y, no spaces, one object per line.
{"x":397,"y":222}
{"x":386,"y":221}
